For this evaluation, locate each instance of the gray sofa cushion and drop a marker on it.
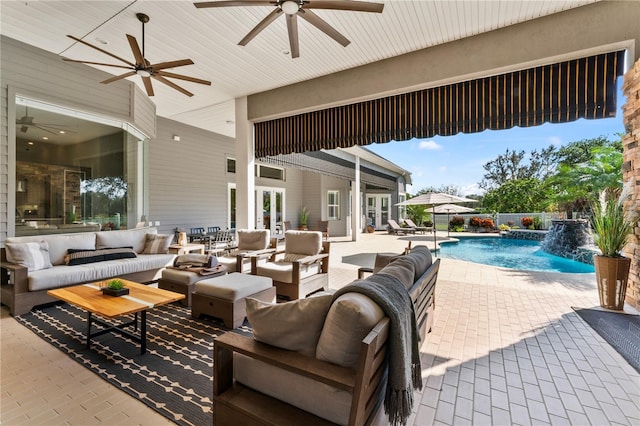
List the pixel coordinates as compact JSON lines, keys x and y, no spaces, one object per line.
{"x":60,"y":276}
{"x":403,"y":269}
{"x":135,"y":238}
{"x":421,"y":258}
{"x":59,"y":244}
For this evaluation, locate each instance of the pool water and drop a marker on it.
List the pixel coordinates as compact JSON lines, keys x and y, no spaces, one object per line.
{"x":508,"y":253}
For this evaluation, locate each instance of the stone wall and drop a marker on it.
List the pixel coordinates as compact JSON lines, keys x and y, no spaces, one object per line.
{"x":631,"y":172}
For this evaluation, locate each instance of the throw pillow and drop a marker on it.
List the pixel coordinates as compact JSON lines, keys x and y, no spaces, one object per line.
{"x":294,"y":325}
{"x":350,"y":319}
{"x":33,"y":256}
{"x":82,"y":257}
{"x":157,"y":244}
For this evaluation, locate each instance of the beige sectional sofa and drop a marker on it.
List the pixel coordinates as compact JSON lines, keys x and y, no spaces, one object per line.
{"x":23,"y":287}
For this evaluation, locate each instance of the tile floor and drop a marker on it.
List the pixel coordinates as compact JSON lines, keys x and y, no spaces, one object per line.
{"x":506,"y":348}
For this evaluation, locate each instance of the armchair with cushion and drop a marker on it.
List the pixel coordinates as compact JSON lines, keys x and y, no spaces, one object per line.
{"x":301,"y":269}
{"x":250,"y":243}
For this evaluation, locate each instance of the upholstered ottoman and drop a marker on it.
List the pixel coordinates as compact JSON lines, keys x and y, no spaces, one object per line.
{"x":223,"y":297}
{"x":183,"y":281}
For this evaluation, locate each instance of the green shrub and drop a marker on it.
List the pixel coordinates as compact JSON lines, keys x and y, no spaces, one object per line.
{"x":504,"y":227}
{"x":115,"y":284}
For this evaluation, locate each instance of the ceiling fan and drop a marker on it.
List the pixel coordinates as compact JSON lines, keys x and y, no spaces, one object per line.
{"x":25,"y":122}
{"x":294,"y":8}
{"x":142,"y":66}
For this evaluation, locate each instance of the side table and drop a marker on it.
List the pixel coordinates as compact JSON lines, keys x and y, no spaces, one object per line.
{"x":187,"y":248}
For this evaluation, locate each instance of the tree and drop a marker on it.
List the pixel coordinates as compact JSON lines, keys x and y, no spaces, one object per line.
{"x":512,"y":166}
{"x":517,"y":196}
{"x":600,"y":171}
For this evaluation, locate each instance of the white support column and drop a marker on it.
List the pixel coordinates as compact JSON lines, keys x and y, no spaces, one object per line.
{"x":245,"y":166}
{"x":356,"y":203}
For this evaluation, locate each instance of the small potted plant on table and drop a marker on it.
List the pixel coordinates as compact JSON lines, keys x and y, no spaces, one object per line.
{"x":115,"y":287}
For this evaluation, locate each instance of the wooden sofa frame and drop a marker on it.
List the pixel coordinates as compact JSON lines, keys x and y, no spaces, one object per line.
{"x":300,"y":288}
{"x":237,"y":404}
{"x":15,"y":293}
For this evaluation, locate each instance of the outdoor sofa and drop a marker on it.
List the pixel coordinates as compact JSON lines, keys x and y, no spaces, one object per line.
{"x":137,"y":255}
{"x":317,"y":364}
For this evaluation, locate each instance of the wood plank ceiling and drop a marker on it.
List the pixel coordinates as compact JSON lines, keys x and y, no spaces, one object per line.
{"x":209,"y":36}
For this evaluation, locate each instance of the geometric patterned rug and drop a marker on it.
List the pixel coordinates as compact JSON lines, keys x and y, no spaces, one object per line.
{"x":174,"y":377}
{"x":620,"y":330}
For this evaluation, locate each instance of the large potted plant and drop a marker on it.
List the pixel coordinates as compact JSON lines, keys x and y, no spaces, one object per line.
{"x":304,"y":218}
{"x":612,"y":226}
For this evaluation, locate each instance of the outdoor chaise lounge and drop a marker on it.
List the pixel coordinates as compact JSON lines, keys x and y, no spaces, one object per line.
{"x":396,"y":229}
{"x":421,"y":229}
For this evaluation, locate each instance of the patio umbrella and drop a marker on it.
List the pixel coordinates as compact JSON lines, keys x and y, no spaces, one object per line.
{"x":433,"y":199}
{"x":451,"y":208}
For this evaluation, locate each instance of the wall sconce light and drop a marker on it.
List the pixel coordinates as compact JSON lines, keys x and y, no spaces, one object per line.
{"x":21,"y":186}
{"x":176,"y":138}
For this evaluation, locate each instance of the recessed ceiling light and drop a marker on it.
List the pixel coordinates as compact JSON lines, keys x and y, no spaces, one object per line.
{"x":229,"y":121}
{"x":101,"y":41}
{"x":285,"y":51}
{"x":62,"y":132}
{"x":45,"y":138}
{"x":30,"y":142}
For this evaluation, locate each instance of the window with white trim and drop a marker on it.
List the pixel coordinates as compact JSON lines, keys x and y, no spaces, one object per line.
{"x":333,"y":205}
{"x":402,"y":210}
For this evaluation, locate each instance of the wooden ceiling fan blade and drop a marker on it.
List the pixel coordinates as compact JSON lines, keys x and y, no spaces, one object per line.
{"x":292,"y":29}
{"x":135,"y":48}
{"x":261,"y":26}
{"x":171,"y":64}
{"x":323,"y":26}
{"x":357,"y":6}
{"x":183,"y":77}
{"x":96,"y":63}
{"x":118,"y":77}
{"x":206,"y":4}
{"x":172,"y":85}
{"x":101,"y":50}
{"x":148,"y":86}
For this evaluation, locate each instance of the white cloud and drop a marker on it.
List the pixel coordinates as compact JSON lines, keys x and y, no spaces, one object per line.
{"x":555,"y":140}
{"x":442,"y":169}
{"x":471,"y":189}
{"x":429,"y":145}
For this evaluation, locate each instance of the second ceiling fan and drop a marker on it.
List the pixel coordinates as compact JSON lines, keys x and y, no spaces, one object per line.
{"x":142,"y":66}
{"x":294,"y":8}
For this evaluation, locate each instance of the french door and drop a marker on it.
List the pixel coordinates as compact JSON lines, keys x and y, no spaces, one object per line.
{"x":378,"y":207}
{"x":269,"y":208}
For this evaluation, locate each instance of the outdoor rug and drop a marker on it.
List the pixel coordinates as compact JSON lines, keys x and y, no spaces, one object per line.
{"x":174,"y":377}
{"x":622,"y":331}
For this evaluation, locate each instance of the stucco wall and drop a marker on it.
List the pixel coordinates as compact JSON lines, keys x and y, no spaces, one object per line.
{"x":631,"y":172}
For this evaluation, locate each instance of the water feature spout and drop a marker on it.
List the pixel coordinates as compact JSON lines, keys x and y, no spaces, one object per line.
{"x":569,"y":238}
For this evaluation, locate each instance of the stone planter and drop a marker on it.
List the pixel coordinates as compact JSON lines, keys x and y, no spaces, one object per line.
{"x":612,"y":274}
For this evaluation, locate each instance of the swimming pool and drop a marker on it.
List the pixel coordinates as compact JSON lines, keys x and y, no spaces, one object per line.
{"x":508,"y":253}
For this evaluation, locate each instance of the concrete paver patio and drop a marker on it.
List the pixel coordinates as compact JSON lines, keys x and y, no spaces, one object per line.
{"x":506,"y":348}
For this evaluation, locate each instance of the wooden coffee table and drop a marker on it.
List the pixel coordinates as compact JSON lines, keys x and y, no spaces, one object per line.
{"x":140,"y":298}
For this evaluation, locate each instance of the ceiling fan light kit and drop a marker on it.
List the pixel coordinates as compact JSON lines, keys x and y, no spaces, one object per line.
{"x":142,"y":66}
{"x":294,"y":8}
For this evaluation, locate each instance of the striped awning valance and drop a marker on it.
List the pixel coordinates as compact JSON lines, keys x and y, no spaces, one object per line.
{"x":556,"y":93}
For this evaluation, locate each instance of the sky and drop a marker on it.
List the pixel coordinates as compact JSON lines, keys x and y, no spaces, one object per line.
{"x":458,"y":160}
